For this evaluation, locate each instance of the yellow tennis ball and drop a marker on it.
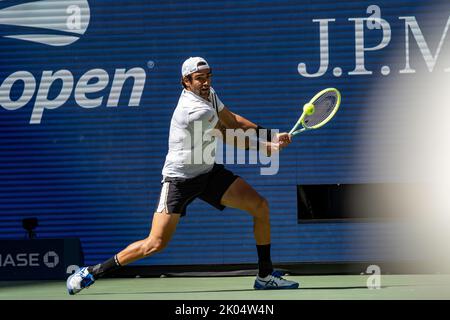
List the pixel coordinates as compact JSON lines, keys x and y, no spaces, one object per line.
{"x":308,"y":109}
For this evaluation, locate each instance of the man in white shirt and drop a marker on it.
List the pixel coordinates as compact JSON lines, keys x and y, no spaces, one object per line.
{"x":185,"y":179}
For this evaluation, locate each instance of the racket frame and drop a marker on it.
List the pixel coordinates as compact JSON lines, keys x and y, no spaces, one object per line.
{"x":301,"y":120}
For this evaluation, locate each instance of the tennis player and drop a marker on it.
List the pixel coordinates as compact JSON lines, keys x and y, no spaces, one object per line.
{"x":183,"y":181}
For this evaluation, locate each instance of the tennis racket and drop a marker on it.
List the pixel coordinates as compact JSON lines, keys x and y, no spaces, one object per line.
{"x":318,"y":111}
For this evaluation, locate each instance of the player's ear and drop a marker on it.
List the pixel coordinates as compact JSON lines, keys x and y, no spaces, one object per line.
{"x":185,"y":80}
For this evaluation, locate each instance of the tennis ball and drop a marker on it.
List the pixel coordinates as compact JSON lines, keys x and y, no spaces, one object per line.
{"x":308,"y":109}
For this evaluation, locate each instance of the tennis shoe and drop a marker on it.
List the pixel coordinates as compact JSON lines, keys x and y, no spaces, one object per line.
{"x":274,"y":281}
{"x":79,"y":280}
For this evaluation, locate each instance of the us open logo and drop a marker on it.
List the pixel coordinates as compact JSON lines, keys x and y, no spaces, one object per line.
{"x":49,"y":22}
{"x":59,"y":23}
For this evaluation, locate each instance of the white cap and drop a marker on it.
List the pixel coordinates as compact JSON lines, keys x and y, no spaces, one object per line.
{"x":191,"y":65}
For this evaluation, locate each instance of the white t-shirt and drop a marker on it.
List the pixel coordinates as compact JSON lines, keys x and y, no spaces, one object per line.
{"x":191,"y":144}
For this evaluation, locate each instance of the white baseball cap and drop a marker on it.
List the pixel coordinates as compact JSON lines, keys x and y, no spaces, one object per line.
{"x":193,"y":64}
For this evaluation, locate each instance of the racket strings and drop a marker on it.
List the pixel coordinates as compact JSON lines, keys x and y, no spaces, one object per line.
{"x":323,"y":107}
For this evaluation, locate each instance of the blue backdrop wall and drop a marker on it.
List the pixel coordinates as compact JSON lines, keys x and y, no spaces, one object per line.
{"x":88,"y":89}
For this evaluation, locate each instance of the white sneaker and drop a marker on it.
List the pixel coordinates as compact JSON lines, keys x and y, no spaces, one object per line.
{"x":79,"y":280}
{"x":274,"y":281}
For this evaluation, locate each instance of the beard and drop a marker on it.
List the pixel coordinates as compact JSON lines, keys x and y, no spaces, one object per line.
{"x":204,"y":93}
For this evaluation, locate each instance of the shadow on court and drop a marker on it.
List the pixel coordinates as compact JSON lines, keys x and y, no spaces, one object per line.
{"x":17,"y":284}
{"x":243,"y":290}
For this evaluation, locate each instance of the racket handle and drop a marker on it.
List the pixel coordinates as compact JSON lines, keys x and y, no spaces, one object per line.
{"x":297,"y":132}
{"x":293,"y":132}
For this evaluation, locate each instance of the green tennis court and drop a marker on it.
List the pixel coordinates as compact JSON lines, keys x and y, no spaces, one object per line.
{"x":237,"y":288}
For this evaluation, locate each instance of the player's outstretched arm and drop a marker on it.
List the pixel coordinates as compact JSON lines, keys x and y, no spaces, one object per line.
{"x":234,"y":121}
{"x":230,"y":120}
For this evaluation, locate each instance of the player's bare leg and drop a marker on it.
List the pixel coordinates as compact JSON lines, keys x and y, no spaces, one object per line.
{"x":241,"y":195}
{"x":162,"y":230}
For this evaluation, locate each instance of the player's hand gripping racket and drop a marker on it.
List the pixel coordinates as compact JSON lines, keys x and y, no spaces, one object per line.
{"x":318,"y":111}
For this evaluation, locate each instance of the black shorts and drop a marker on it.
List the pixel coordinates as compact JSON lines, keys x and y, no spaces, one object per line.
{"x":178,"y":193}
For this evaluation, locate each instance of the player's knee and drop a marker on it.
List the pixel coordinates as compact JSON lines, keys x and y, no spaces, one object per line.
{"x":263,"y":204}
{"x":261,"y":209}
{"x":153,"y":245}
{"x":159,"y":245}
